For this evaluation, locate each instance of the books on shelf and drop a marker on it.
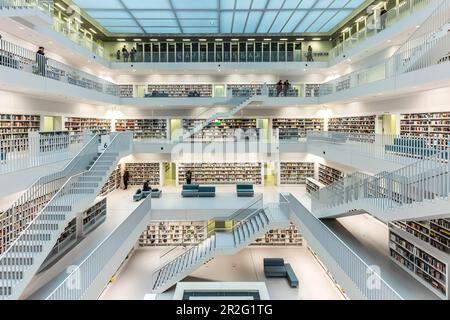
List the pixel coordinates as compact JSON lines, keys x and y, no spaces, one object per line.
{"x":416,"y":260}
{"x":172,"y":233}
{"x":14,"y":129}
{"x":126,"y":91}
{"x":221,"y":173}
{"x":295,"y":129}
{"x":221,"y":130}
{"x":113,"y":182}
{"x":362,"y":124}
{"x":94,"y":216}
{"x":143,"y":128}
{"x":279,"y":237}
{"x":142,"y":172}
{"x":95,"y":125}
{"x":329,"y":175}
{"x":312,"y":90}
{"x":434,"y":127}
{"x":295,"y":172}
{"x":312,"y":185}
{"x":182,"y":90}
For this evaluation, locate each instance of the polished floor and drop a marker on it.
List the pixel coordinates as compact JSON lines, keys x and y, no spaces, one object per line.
{"x":134,"y":281}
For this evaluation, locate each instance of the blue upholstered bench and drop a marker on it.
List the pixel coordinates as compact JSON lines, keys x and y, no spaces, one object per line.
{"x":190,"y":190}
{"x":245,"y":190}
{"x":291,"y":277}
{"x":206,"y":192}
{"x":276,"y":268}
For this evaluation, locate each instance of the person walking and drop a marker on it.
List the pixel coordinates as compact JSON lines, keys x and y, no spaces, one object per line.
{"x":279,"y":88}
{"x":41,"y":61}
{"x":118,"y":55}
{"x":309,"y":55}
{"x":383,"y":17}
{"x":286,"y":86}
{"x":133,"y":55}
{"x":126,"y":178}
{"x":125,"y":54}
{"x":188,"y":177}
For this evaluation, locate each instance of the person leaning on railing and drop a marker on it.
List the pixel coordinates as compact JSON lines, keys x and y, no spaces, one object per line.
{"x":41,"y":61}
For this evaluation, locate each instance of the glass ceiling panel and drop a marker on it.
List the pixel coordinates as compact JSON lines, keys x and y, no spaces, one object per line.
{"x":219,"y":16}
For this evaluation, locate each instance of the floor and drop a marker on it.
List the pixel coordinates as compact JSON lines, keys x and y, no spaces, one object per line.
{"x":134,"y":281}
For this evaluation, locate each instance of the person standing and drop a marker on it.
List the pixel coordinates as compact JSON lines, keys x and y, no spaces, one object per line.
{"x":125,"y":53}
{"x":383,"y":16}
{"x":279,"y":88}
{"x":188,"y":177}
{"x":126,"y":178}
{"x":118,"y":56}
{"x":40,"y":60}
{"x":286,"y":86}
{"x":309,"y":55}
{"x":133,"y":55}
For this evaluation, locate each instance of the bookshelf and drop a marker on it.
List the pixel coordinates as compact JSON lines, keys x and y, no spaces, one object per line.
{"x":295,"y":129}
{"x":293,"y":173}
{"x":329,"y":175}
{"x":13,"y":223}
{"x":419,"y":260}
{"x":436,"y":232}
{"x":312,"y":90}
{"x":221,"y":173}
{"x":279,"y":237}
{"x":143,"y":128}
{"x":113,"y":182}
{"x":144,"y":171}
{"x":363,"y":124}
{"x":94,"y":216}
{"x":126,"y":91}
{"x":172,"y":233}
{"x":245,"y":89}
{"x":312,"y":185}
{"x":14,"y":127}
{"x":181,"y":90}
{"x":219,"y":131}
{"x":95,"y":125}
{"x":434,"y":127}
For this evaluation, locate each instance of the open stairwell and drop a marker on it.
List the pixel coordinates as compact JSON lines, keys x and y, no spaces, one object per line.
{"x":20,"y":262}
{"x":239,"y":103}
{"x":420,"y":191}
{"x":220,"y":242}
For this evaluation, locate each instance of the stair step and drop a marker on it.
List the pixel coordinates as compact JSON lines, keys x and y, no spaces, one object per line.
{"x":90,"y":178}
{"x":250,"y":226}
{"x":85,"y":185}
{"x":255,"y":224}
{"x":52,"y":217}
{"x":259,"y":221}
{"x":11,"y":275}
{"x":58,"y":208}
{"x":264,"y":215}
{"x":82,"y":191}
{"x":241,"y":234}
{"x":246,"y":230}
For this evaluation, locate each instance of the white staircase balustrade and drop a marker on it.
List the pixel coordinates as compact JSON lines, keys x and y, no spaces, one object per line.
{"x":40,"y":192}
{"x":43,"y":5}
{"x":248,"y":225}
{"x":94,"y":272}
{"x":419,"y":191}
{"x":239,"y":103}
{"x":359,"y":280}
{"x":399,"y":149}
{"x":426,"y":46}
{"x":20,"y":262}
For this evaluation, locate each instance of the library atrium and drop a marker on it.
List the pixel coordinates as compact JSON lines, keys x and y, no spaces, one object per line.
{"x":224,"y":149}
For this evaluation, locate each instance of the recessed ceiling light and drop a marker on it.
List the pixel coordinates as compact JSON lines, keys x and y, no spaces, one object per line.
{"x":170,"y":40}
{"x":389,"y":40}
{"x":153,"y":40}
{"x":218,"y":39}
{"x":300,"y":39}
{"x":93,"y":31}
{"x":267,"y":39}
{"x":251,"y":39}
{"x":121,"y":39}
{"x":316,"y":39}
{"x":186,"y":40}
{"x":234,"y":39}
{"x":283,"y":39}
{"x":202,"y":40}
{"x":137,"y":40}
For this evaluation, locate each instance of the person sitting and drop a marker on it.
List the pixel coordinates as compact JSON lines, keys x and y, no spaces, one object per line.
{"x":146,"y":187}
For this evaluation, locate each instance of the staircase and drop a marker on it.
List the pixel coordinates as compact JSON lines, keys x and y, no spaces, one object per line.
{"x":20,"y":262}
{"x":426,"y":46}
{"x":239,"y":102}
{"x":419,"y":191}
{"x":220,"y":242}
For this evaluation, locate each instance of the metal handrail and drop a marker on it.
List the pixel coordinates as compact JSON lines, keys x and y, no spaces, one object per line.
{"x":232,"y":217}
{"x":215,"y":230}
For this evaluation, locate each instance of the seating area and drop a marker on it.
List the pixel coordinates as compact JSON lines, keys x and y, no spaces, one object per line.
{"x":276,"y":268}
{"x":139,"y":195}
{"x":245,"y":190}
{"x":198,"y":191}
